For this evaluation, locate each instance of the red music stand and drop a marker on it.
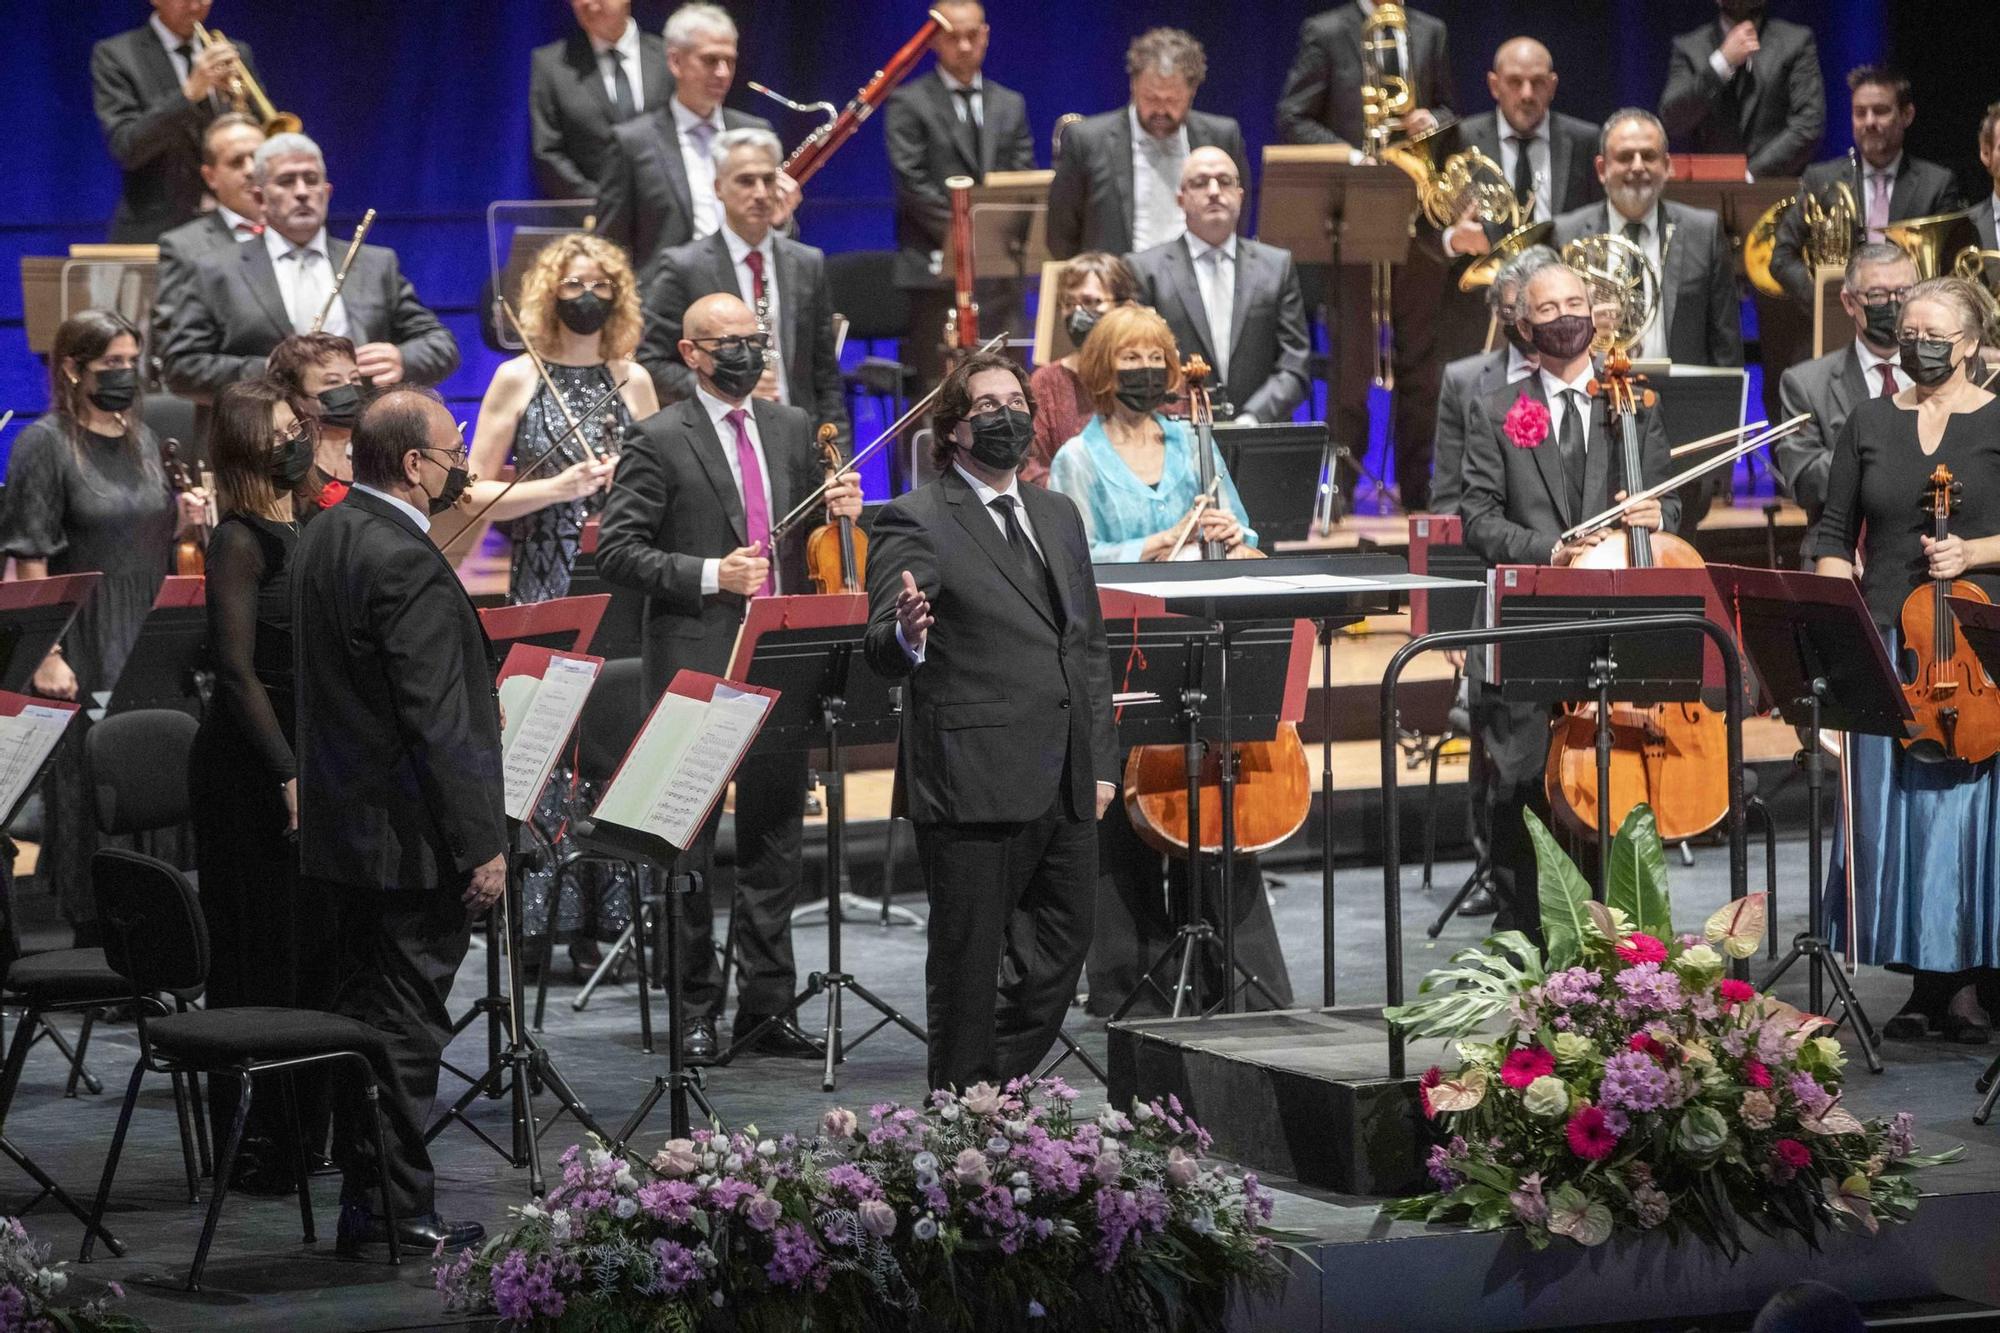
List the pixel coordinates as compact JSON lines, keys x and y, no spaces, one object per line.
{"x":34,"y":615}
{"x":565,"y":624}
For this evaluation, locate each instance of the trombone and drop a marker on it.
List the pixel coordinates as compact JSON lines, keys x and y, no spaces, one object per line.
{"x":245,"y":95}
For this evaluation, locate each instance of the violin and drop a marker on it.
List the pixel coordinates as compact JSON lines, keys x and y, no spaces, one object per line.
{"x":190,"y":550}
{"x":1957,"y":706}
{"x":1673,"y":756}
{"x":836,"y":553}
{"x":1273,"y":780}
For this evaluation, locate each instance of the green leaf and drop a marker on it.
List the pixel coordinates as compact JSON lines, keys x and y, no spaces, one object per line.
{"x":1564,"y":895}
{"x":1637,"y":882}
{"x":1462,"y":996}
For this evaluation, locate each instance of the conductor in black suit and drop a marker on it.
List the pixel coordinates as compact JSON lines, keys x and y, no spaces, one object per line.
{"x":953,"y":121}
{"x":1115,"y":182}
{"x":688,"y":523}
{"x":1747,"y":84}
{"x":980,"y":594}
{"x":1525,"y":487}
{"x":603,"y":74}
{"x":155,"y":91}
{"x":402,"y":825}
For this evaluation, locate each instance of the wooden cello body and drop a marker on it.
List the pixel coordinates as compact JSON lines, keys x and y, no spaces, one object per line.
{"x":1956,"y":704}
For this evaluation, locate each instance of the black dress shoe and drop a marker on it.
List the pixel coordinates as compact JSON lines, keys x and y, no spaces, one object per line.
{"x":781,"y":1037}
{"x":421,"y":1235}
{"x":698,"y":1039}
{"x":1480,"y":902}
{"x":1909,"y":1025}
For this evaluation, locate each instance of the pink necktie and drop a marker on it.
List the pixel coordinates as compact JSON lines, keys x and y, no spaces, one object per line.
{"x":756,"y":509}
{"x":1878,"y":205}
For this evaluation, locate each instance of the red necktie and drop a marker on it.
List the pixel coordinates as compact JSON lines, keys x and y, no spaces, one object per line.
{"x":250,"y":228}
{"x":755,"y":259}
{"x":756,"y":509}
{"x":1888,"y":380}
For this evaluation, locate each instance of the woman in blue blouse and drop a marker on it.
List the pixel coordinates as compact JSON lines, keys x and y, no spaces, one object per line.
{"x":1132,"y":474}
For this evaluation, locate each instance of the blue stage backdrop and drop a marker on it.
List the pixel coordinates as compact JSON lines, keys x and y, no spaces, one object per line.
{"x":421,"y":104}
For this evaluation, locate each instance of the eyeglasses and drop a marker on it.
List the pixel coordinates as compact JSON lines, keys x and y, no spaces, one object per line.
{"x":457,"y":456}
{"x":570,"y":288}
{"x":756,"y":342}
{"x":1883,"y":295}
{"x":1226,"y":179}
{"x":1013,"y":403}
{"x":1075,"y":303}
{"x":1910,"y":337}
{"x":300,"y":430}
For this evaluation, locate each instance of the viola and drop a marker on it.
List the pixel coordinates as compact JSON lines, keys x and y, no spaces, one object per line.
{"x":836,"y":553}
{"x":1957,"y":705}
{"x":190,"y":550}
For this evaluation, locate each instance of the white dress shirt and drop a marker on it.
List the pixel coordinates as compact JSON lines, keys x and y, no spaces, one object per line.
{"x":416,"y":515}
{"x":700,"y":166}
{"x":1156,"y":183}
{"x":1554,"y":390}
{"x":1994,"y":204}
{"x":627,"y":49}
{"x":978,"y":90}
{"x":1215,"y":274}
{"x":1539,"y":164}
{"x":241,"y":228}
{"x":1869,"y":363}
{"x":173,"y":45}
{"x":305,"y":278}
{"x":771,"y":318}
{"x":1519,"y":367}
{"x":718,"y":410}
{"x":1653,"y":343}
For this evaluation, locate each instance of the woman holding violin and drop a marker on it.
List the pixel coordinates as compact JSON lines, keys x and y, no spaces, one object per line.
{"x":87,"y":492}
{"x":1134,"y":475}
{"x":1916,"y":481}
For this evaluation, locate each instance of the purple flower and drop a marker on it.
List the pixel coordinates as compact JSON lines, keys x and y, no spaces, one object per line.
{"x":677,"y":1268}
{"x":669,"y":1201}
{"x":1442,"y":1163}
{"x":1530,"y":1208}
{"x":795,"y":1258}
{"x":1633,"y":1081}
{"x":1898,"y":1141}
{"x":1572,"y":986}
{"x":724,"y":1195}
{"x":763,"y":1212}
{"x":1813,"y":1099}
{"x":853,"y":1181}
{"x":1617,"y":1121}
{"x":1647,"y":989}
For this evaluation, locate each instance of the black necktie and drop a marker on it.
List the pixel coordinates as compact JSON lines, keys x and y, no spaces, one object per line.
{"x":1569,"y":443}
{"x":1635,"y":232}
{"x":965,"y":96}
{"x":622,"y":105}
{"x":1524,"y":169}
{"x":1025,"y":555}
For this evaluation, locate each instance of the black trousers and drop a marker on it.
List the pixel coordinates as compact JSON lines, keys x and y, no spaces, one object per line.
{"x":1010,"y":922}
{"x":1514,"y":745}
{"x":1417,"y":301}
{"x":399,"y":954}
{"x":770,"y":820}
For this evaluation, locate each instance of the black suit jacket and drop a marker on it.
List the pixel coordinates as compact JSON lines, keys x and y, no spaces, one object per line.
{"x":400,"y":782}
{"x":1090,"y":198}
{"x":1321,"y":101}
{"x":1920,"y":189}
{"x":1270,"y":342}
{"x":1465,"y":381}
{"x":1572,"y":156}
{"x":1773,"y":111}
{"x":569,"y":111}
{"x":1698,"y":302}
{"x":643,"y":200}
{"x":928,"y":144}
{"x":1516,"y":501}
{"x":153,"y":132}
{"x":674,"y":504}
{"x":1011,"y":708}
{"x":1829,"y":387}
{"x":230,"y":313}
{"x":701,"y":268}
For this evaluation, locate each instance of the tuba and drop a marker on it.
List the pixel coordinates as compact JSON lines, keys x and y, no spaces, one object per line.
{"x":246,"y":96}
{"x":1624,"y":290}
{"x":1934,"y":242}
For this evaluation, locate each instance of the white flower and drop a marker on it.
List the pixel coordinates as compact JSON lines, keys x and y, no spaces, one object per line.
{"x":1699,"y":958}
{"x":1573,"y":1048}
{"x":532,"y":1212}
{"x":1547,"y":1097}
{"x":1035,"y":1310}
{"x":1021,"y":1194}
{"x":599,"y":1159}
{"x":926,"y":1228}
{"x":625,"y":1208}
{"x":1203,"y":1222}
{"x":949,"y":1112}
{"x":1142,"y":1112}
{"x":625,"y":1182}
{"x":997,"y":1146}
{"x":1113,"y":1121}
{"x":925,"y":1161}
{"x":1018,"y":1178}
{"x":559,"y":1225}
{"x":982,"y":1099}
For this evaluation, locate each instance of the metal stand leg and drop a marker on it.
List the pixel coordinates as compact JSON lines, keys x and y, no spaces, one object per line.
{"x":680,"y":1084}
{"x":1989,"y":1083}
{"x":1327,"y":910}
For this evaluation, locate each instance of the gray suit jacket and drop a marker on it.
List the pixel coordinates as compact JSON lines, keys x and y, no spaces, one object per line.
{"x":928,"y":144}
{"x":643,"y":200}
{"x":1828,"y":387}
{"x":1090,"y":199}
{"x":1920,"y":189}
{"x":701,"y":268}
{"x":1466,"y":381}
{"x":1698,"y":302}
{"x":1321,"y":101}
{"x":570,"y":114}
{"x":1270,"y":343}
{"x":180,"y":250}
{"x":1773,"y":111}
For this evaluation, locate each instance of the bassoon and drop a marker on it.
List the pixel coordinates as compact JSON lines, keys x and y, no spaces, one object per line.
{"x":821,"y":144}
{"x":961,"y":332}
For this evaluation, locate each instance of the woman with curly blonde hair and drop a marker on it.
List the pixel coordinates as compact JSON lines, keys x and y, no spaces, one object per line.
{"x":580,"y":310}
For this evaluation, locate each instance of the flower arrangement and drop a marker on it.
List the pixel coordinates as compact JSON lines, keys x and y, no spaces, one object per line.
{"x":1527,"y":423}
{"x":1635,"y":1084}
{"x":994,"y":1209}
{"x":30,"y":1288}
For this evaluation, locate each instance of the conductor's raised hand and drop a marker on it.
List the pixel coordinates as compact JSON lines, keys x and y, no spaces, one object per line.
{"x":913,"y":613}
{"x":744,"y":570}
{"x":489,"y":881}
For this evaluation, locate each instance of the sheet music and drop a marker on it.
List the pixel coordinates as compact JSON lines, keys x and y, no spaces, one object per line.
{"x":1253,"y":585}
{"x":676,"y":772}
{"x":25,"y":742}
{"x":540,"y":716}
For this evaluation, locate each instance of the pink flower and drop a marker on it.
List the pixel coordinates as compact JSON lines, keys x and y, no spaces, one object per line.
{"x":970,"y":1168}
{"x":1736,"y":992}
{"x":1181,"y":1168}
{"x":1789,"y":1157}
{"x":981,"y":1099}
{"x":1527,"y":423}
{"x":1639,"y":947}
{"x":1432,"y":1077}
{"x":1526,"y":1064}
{"x":763,"y":1212}
{"x":1589,"y":1137}
{"x":1640,"y":1041}
{"x":1755,"y":1074}
{"x":878,"y":1219}
{"x":839,"y":1123}
{"x":676,"y":1158}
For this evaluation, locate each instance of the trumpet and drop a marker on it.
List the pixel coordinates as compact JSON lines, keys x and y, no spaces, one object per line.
{"x":245,"y":95}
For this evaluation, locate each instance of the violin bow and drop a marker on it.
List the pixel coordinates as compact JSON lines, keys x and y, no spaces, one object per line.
{"x":1201,"y":502}
{"x":1750,"y":446}
{"x":522,"y":474}
{"x":548,"y":382}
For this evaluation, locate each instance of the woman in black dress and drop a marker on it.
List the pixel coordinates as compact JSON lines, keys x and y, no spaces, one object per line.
{"x":1927,"y":880}
{"x":86,"y":493}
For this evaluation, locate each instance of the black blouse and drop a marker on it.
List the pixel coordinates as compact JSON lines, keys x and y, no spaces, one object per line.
{"x":249,"y":598}
{"x":1881,"y":477}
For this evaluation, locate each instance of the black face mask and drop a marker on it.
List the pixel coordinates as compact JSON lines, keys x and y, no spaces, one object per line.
{"x":1000,"y":439}
{"x":1143,"y":388}
{"x":583,"y":314}
{"x":456,"y":479}
{"x":738,"y":367}
{"x":292,"y":460}
{"x":116,"y":390}
{"x":340,"y":406}
{"x":1516,"y":339}
{"x":1879,"y":323}
{"x":1564,"y":337}
{"x":1928,"y":361}
{"x":1080,"y":322}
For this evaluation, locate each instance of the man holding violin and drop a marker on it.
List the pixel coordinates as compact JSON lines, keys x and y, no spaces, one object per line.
{"x":688,"y":522}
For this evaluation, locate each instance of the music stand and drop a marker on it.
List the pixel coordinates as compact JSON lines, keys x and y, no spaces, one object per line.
{"x":1437,"y":546}
{"x":1277,"y":468}
{"x":1979,"y":622}
{"x":169,"y":662}
{"x":565,"y":624}
{"x":34,"y":615}
{"x":1813,"y":644}
{"x":808,"y":650}
{"x":622,"y":630}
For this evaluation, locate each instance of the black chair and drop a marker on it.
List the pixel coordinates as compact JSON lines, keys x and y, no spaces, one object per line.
{"x":157,"y":939}
{"x":863,"y":286}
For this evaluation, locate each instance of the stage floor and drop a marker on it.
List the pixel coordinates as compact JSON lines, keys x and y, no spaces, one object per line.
{"x":260,"y":1276}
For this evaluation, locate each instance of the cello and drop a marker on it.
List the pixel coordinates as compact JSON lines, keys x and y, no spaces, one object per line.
{"x":837,"y":552}
{"x":1273,"y":781}
{"x":1957,"y":705}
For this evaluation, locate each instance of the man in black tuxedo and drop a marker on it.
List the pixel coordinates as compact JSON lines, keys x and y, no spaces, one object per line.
{"x":228,"y":172}
{"x":402,"y":826}
{"x":1234,"y":300}
{"x":1523,"y":490}
{"x":656,"y":187}
{"x":1747,"y":84}
{"x":154,"y":92}
{"x":980,"y":593}
{"x":1321,"y":101}
{"x":238,"y":304}
{"x":1889,"y":185}
{"x":954,"y":121}
{"x":1471,"y":378}
{"x":688,"y":523}
{"x":1116,"y":179}
{"x":782,"y":281}
{"x":603,"y":74}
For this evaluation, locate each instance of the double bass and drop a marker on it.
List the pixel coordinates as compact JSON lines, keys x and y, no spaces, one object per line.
{"x":837,"y":552}
{"x":1957,"y":706}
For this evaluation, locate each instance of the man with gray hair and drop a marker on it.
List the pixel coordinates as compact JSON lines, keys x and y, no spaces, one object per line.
{"x":1117,"y":181}
{"x":239,"y":303}
{"x":657,"y":186}
{"x":1472,"y":378}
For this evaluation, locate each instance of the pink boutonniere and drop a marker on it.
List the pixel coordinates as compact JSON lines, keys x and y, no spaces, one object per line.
{"x":1527,"y":423}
